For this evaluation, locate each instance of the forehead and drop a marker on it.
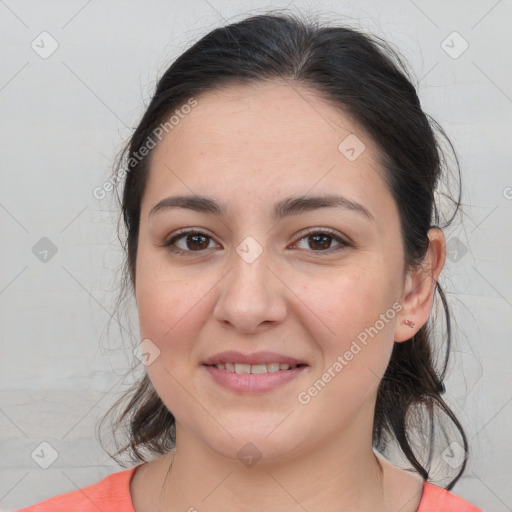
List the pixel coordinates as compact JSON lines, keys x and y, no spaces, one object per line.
{"x":268,"y":138}
{"x":271,"y":113}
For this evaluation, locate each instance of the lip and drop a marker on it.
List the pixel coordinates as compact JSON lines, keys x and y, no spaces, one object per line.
{"x":256,"y":358}
{"x":253,"y":382}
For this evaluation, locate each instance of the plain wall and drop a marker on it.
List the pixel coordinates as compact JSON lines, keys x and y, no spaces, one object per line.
{"x":64,"y":117}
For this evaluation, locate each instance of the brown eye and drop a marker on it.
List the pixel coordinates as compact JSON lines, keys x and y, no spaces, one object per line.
{"x":190,"y":242}
{"x":321,"y":241}
{"x":196,"y":241}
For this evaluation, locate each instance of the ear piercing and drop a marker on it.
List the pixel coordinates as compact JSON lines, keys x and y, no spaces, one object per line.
{"x":409,"y":323}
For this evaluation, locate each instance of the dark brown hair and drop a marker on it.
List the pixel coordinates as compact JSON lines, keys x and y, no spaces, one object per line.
{"x":364,"y":77}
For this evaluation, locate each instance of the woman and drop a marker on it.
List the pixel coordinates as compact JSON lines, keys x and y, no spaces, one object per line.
{"x":284,"y":249}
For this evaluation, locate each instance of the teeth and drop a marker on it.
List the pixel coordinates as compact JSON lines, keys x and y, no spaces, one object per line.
{"x":255,"y":368}
{"x":242,"y":368}
{"x":258,"y":368}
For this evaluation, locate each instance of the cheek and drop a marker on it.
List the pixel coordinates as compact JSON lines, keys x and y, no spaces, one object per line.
{"x":170,"y":315}
{"x":163,"y":297}
{"x":350,"y":301}
{"x":173,"y":306}
{"x":357,"y":323}
{"x":157,"y":306}
{"x":168,"y":309}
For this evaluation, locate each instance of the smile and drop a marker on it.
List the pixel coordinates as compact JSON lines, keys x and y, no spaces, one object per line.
{"x":255,"y":368}
{"x":257,"y":378}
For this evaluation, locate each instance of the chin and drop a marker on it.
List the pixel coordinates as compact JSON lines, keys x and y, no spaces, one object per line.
{"x":255,"y":445}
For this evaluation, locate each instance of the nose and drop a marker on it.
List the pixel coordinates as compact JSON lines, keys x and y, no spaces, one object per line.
{"x":251,"y":296}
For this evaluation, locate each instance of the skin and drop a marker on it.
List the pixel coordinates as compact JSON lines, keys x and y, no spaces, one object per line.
{"x":248,"y":147}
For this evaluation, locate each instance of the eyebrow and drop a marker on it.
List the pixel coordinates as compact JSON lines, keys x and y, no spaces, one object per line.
{"x":284,"y":208}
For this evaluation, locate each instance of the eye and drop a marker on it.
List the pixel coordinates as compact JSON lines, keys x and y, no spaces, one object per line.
{"x":194,"y":241}
{"x":320,"y":240}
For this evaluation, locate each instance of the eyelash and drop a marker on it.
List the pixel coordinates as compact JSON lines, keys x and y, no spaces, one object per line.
{"x":314,"y":231}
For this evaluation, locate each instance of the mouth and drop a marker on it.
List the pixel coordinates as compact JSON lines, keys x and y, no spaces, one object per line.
{"x":242,"y":368}
{"x":263,"y":361}
{"x":252,"y":373}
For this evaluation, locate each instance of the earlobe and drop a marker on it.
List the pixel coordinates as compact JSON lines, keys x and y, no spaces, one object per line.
{"x":419,"y":288}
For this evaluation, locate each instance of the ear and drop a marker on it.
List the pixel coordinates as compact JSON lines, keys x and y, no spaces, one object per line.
{"x":419,"y":287}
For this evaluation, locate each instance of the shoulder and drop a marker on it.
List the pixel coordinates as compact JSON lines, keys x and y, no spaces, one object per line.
{"x":437,"y":499}
{"x":112,"y":494}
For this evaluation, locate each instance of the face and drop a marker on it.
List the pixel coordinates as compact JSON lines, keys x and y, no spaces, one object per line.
{"x":319,"y":284}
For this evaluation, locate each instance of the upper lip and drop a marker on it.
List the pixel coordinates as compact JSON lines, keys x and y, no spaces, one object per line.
{"x":255,"y":358}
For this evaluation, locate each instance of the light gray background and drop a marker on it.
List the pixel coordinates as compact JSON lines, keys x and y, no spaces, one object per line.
{"x":63,"y":118}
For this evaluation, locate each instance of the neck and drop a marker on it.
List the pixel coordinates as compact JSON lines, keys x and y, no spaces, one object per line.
{"x":341,"y":476}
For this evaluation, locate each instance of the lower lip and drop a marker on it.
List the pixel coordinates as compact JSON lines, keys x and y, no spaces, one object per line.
{"x":253,"y":382}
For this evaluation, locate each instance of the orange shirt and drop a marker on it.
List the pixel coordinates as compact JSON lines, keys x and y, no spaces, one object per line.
{"x":112,"y":494}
